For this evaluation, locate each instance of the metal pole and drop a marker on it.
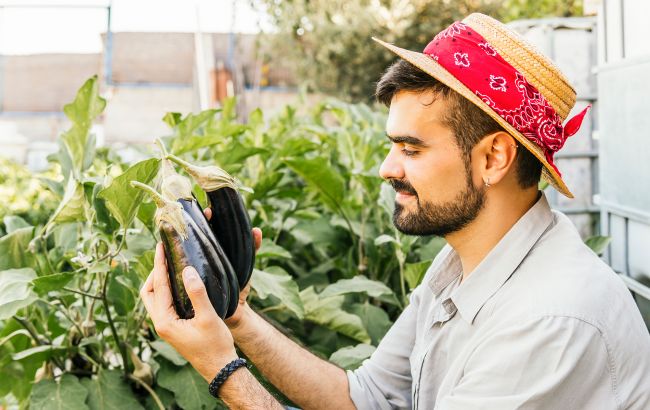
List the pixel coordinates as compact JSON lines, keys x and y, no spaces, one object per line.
{"x":108,"y":52}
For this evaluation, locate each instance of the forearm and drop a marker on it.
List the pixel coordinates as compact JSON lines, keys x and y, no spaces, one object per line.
{"x":242,"y":391}
{"x":307,"y":380}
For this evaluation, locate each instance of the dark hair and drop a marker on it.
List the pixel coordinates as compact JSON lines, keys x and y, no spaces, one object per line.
{"x":468,"y":122}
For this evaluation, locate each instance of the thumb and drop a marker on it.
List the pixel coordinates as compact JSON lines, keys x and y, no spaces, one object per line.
{"x":196,"y":291}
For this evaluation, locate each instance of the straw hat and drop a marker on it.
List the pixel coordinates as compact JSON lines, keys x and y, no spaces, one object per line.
{"x":509,"y":79}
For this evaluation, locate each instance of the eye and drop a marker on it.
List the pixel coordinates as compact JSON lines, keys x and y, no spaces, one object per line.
{"x":408,"y":152}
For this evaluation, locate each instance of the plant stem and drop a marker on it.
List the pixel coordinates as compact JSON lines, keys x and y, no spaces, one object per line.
{"x":116,"y":337}
{"x":272,"y":308}
{"x":34,"y":334}
{"x":153,"y":394}
{"x":79,"y":292}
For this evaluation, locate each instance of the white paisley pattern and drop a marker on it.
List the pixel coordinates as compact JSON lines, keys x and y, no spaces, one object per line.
{"x":497,"y":83}
{"x":487,"y":47}
{"x":534,"y":118}
{"x":461,"y":59}
{"x":451,"y":31}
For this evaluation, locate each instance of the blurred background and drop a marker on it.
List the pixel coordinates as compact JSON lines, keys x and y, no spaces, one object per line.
{"x":153,"y":57}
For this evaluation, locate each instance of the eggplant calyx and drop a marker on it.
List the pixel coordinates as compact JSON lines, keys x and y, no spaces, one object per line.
{"x":210,"y":178}
{"x":168,"y":211}
{"x":174,"y":186}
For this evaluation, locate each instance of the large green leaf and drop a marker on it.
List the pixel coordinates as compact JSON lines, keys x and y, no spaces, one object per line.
{"x":109,"y":391}
{"x":86,"y":106}
{"x":189,"y":388}
{"x":269,"y":249}
{"x":168,"y":352}
{"x":14,"y":252}
{"x":414,"y":272}
{"x":13,"y":223}
{"x":351,"y":357}
{"x":358,"y":284}
{"x":375,"y":320}
{"x":121,"y":198}
{"x":318,"y":174}
{"x":66,"y":394}
{"x":276,"y":282}
{"x":16,"y":291}
{"x":328,"y":312}
{"x":52,"y":282}
{"x":598,"y":244}
{"x":73,"y":205}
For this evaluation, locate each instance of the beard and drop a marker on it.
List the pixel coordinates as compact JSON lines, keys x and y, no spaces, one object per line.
{"x":438,"y":219}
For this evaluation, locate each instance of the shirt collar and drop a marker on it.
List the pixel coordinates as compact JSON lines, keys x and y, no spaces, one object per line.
{"x":497,"y":266}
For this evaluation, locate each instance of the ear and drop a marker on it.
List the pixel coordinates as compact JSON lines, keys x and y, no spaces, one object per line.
{"x":497,"y":155}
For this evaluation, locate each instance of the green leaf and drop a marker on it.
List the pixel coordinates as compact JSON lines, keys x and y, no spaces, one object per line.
{"x":86,"y":106}
{"x":319,"y":175}
{"x":121,"y":198}
{"x":268,"y":249}
{"x":16,"y":291}
{"x":14,"y":252}
{"x":43,"y":351}
{"x":598,"y":244}
{"x":168,"y":352}
{"x":387,"y":198}
{"x":382,"y":239}
{"x":13,"y":223}
{"x":52,"y":282}
{"x":351,"y":357}
{"x":414,"y":272}
{"x":375,"y":320}
{"x":329,"y":313}
{"x":189,"y":388}
{"x":237,"y":153}
{"x":120,"y":295}
{"x":66,"y":394}
{"x":109,"y":391}
{"x":275,"y":281}
{"x":358,"y":284}
{"x":73,"y":205}
{"x":172,"y":119}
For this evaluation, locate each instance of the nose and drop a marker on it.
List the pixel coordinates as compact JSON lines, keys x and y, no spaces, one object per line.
{"x":391,"y":168}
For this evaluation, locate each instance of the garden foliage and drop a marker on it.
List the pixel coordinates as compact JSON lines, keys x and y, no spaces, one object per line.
{"x":332,"y":271}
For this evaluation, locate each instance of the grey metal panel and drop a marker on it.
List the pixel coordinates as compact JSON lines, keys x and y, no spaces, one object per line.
{"x":624,"y":130}
{"x":574,"y":53}
{"x":614,"y":30}
{"x":638,"y":249}
{"x":636,"y":27}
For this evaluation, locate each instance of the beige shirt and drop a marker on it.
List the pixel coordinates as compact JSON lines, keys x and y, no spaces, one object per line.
{"x":541,"y":323}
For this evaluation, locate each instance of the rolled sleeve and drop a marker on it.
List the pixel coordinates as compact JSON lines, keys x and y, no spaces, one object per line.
{"x":384,"y":380}
{"x":546,"y":363}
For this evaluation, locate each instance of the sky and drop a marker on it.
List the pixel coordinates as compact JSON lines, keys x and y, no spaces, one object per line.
{"x":44,"y":26}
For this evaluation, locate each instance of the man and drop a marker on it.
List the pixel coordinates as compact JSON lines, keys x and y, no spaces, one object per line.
{"x":515,"y":312}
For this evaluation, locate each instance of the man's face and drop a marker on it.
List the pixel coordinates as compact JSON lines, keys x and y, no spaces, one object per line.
{"x":436,"y":194}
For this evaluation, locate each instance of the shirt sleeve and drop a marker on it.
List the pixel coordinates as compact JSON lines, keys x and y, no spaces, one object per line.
{"x":545,"y":363}
{"x":384,"y":380}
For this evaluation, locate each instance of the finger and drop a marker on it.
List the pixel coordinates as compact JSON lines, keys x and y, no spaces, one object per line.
{"x":146,"y":293}
{"x":257,"y":235}
{"x":162,"y":296}
{"x":208,"y":213}
{"x":198,"y":295}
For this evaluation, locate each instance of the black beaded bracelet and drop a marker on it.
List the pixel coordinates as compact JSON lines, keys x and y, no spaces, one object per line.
{"x":223,"y":374}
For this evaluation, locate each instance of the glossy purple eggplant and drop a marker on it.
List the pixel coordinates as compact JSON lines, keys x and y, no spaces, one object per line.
{"x":229,"y":222}
{"x":185,"y":245}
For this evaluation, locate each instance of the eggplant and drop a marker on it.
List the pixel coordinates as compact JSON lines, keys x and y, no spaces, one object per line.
{"x":185,"y":245}
{"x":175,"y":187}
{"x":230,"y":222}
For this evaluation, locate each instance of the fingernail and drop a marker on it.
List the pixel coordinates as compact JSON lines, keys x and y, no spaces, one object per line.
{"x":191,"y":277}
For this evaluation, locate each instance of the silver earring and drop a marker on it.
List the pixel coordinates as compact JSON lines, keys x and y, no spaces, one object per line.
{"x":487,"y":183}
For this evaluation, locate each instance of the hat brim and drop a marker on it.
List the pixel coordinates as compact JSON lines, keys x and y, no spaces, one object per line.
{"x":431,"y":67}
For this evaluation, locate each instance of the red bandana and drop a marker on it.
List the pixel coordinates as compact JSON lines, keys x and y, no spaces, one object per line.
{"x":473,"y":61}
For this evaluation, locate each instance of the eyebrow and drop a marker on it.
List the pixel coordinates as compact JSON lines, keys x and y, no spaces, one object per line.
{"x":416,"y":142}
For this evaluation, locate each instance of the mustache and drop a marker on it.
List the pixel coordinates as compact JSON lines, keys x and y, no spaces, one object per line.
{"x":402,"y":186}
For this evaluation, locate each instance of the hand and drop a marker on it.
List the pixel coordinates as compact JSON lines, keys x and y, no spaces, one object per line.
{"x":204,"y":340}
{"x":234,"y":320}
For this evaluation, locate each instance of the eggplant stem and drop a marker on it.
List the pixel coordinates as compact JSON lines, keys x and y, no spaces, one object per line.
{"x":161,"y":145}
{"x":157,"y":198}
